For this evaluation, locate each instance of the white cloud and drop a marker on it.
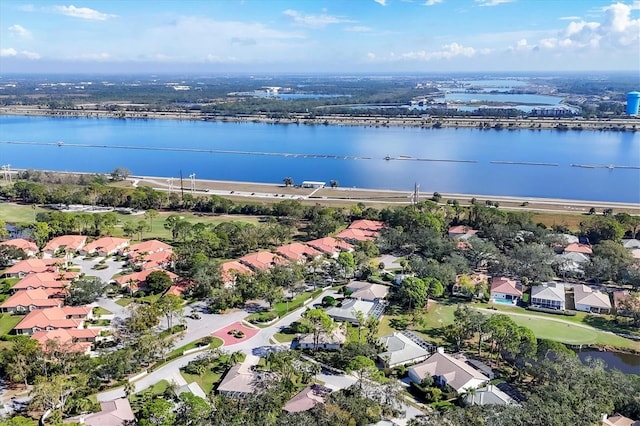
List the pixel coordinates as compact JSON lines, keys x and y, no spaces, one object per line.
{"x":381,"y":2}
{"x":615,"y":31}
{"x":447,"y":51}
{"x":315,"y":21}
{"x":432,"y":2}
{"x":493,"y":2}
{"x":82,"y":13}
{"x":371,"y":56}
{"x":13,"y":53}
{"x":19,"y":31}
{"x":358,"y":29}
{"x":569,"y":18}
{"x":10,"y":51}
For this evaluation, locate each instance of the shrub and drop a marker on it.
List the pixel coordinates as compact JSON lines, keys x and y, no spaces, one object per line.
{"x":329,"y":301}
{"x":552,"y":311}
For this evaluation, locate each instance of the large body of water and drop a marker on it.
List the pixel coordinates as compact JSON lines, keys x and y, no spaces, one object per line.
{"x":627,"y":363}
{"x":370,"y":144}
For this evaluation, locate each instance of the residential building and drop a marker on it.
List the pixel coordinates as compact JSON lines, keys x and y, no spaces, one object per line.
{"x":489,"y":395}
{"x":549,"y":295}
{"x":105,"y":246}
{"x":631,"y":243}
{"x":505,"y":290}
{"x":367,"y":225}
{"x":32,"y":266}
{"x":475,"y":279}
{"x":298,"y":252}
{"x":619,"y":420}
{"x":448,"y":370}
{"x":367,"y":291}
{"x":354,"y":235}
{"x":138,"y":279}
{"x":155,"y":260}
{"x":28,"y":247}
{"x":619,"y":296}
{"x":68,"y":339}
{"x":45,"y":280}
{"x":330,"y":246}
{"x":30,"y":300}
{"x":238,"y":382}
{"x":462,"y":232}
{"x":590,"y":300}
{"x":66,"y":243}
{"x":146,"y":247}
{"x":571,"y":263}
{"x":307,"y":398}
{"x":263,"y":260}
{"x":53,"y":318}
{"x":579,"y":248}
{"x":328,"y":341}
{"x":112,"y":413}
{"x":401,"y":350}
{"x":347,"y":312}
{"x":229,"y":272}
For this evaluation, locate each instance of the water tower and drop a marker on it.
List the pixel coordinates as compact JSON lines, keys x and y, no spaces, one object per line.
{"x":633,"y":101}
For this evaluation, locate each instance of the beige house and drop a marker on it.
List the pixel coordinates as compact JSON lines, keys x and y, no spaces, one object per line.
{"x":447,"y":370}
{"x":589,"y":300}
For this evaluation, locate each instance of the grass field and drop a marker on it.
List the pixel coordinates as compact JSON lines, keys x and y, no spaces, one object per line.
{"x":7,"y":322}
{"x":15,"y":213}
{"x":207,"y":381}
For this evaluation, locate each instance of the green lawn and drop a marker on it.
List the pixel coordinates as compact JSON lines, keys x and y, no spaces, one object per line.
{"x":14,"y":213}
{"x":7,"y":322}
{"x":98,"y":310}
{"x":284,"y":337}
{"x":216,"y":343}
{"x":207,"y":381}
{"x":281,"y":307}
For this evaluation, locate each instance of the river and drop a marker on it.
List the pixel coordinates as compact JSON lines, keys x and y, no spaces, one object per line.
{"x":355,"y":155}
{"x":627,"y":363}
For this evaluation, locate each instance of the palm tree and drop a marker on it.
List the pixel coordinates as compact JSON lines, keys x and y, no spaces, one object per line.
{"x":129,"y":389}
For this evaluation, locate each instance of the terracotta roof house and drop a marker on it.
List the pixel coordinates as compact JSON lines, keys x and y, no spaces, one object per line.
{"x":155,"y":260}
{"x":329,"y":341}
{"x":447,"y":370}
{"x":298,"y":252}
{"x":179,"y":288}
{"x":589,"y":300}
{"x":238,"y":382}
{"x":137,"y":279}
{"x":579,"y":248}
{"x":462,"y":232}
{"x":45,"y":280}
{"x":70,"y":340}
{"x":105,"y":246}
{"x":400,"y":350}
{"x":330,"y":246}
{"x":229,"y":272}
{"x":263,"y":260}
{"x":307,"y":398}
{"x":112,"y":413}
{"x":619,"y":420}
{"x":30,"y":248}
{"x":30,"y":300}
{"x":53,"y":318}
{"x":349,"y":307}
{"x":549,"y":295}
{"x":504,"y":290}
{"x":619,"y":296}
{"x":355,"y":235}
{"x":69,"y":243}
{"x":145,"y":247}
{"x":367,"y":225}
{"x":31,"y":266}
{"x":367,"y":291}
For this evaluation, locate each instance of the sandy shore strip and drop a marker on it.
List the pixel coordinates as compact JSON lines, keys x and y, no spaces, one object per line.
{"x":630,"y":124}
{"x":248,"y":191}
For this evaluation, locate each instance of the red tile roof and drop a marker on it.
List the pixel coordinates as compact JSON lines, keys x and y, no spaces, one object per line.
{"x":367,"y":225}
{"x":140,"y":277}
{"x":297,"y":251}
{"x":505,"y":286}
{"x":461,"y":230}
{"x":155,"y":260}
{"x":69,"y":242}
{"x":67,"y":338}
{"x":263,"y":260}
{"x":228,"y":270}
{"x":106,"y":244}
{"x":30,"y":266}
{"x":45,"y":280}
{"x":151,"y":246}
{"x":330,"y":245}
{"x":38,"y":298}
{"x":579,"y":248}
{"x":21,"y":243}
{"x":52,"y":318}
{"x":357,"y":234}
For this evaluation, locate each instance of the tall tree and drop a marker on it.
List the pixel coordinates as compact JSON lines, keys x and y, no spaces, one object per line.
{"x":319,"y":322}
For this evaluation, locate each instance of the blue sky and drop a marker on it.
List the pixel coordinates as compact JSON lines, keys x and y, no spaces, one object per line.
{"x":322,"y":36}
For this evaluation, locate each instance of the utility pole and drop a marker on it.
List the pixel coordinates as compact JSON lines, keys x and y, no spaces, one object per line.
{"x":416,"y":193}
{"x":181,"y":186}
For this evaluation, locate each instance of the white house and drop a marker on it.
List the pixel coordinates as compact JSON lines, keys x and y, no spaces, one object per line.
{"x":329,"y":341}
{"x":401,"y":350}
{"x":549,"y":295}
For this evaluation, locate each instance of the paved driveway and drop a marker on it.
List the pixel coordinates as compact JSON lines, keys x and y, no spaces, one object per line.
{"x":104,"y":274}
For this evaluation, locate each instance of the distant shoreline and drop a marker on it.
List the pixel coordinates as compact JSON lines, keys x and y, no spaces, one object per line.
{"x":488,"y":123}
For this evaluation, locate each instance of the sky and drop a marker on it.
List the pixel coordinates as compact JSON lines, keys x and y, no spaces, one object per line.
{"x":337,"y":36}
